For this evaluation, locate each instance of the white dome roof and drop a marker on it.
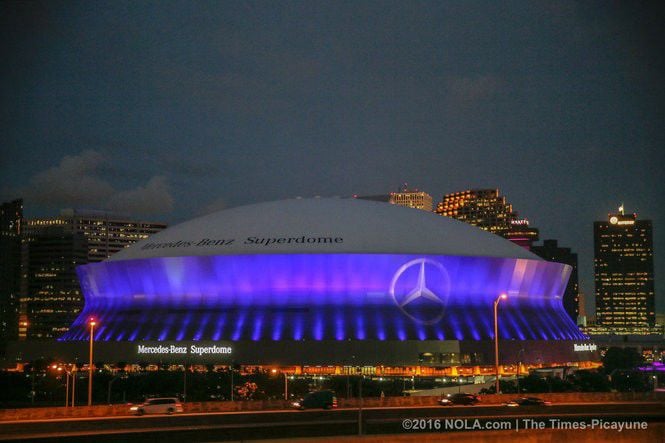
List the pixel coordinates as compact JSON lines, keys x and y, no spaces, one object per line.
{"x":322,"y":225}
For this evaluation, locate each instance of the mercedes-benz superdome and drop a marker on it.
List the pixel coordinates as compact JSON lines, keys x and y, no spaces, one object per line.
{"x":329,"y":281}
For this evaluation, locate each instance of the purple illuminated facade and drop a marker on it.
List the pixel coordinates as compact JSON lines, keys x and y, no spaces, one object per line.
{"x":323,"y":297}
{"x":326,"y":282}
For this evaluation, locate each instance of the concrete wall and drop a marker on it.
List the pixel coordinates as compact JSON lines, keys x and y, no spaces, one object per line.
{"x":563,"y":397}
{"x":227,"y":406}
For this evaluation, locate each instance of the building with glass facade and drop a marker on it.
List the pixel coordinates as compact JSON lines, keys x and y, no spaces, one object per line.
{"x":105,"y":232}
{"x":624,"y":272}
{"x":11,"y":225}
{"x":52,"y":248}
{"x":409,"y":198}
{"x":488,"y":210}
{"x":53,"y":296}
{"x":551,"y":251}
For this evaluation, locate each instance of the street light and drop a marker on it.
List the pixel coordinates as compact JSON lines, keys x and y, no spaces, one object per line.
{"x":74,"y":368}
{"x":360,"y":403}
{"x":496,"y":340}
{"x":122,"y":374}
{"x":286,"y":386}
{"x":92,"y":322}
{"x":519,"y":364}
{"x":286,"y":382}
{"x":232,"y":371}
{"x":68,"y":373}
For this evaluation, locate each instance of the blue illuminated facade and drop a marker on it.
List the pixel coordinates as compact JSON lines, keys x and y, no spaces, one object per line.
{"x":320,"y":297}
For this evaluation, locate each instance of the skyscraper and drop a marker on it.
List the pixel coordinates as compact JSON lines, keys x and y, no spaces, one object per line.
{"x":551,"y":251}
{"x":488,"y":210}
{"x":54,"y":295}
{"x":105,"y":232}
{"x":52,"y":248}
{"x":411,"y":198}
{"x":624,"y":275}
{"x":11,"y":219}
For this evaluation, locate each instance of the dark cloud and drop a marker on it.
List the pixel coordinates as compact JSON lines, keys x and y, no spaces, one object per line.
{"x":153,"y":198}
{"x":77,"y":182}
{"x":73,"y":181}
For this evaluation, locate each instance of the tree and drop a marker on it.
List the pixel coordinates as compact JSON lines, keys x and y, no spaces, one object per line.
{"x":629,"y":381}
{"x":621,"y":358}
{"x":589,"y":381}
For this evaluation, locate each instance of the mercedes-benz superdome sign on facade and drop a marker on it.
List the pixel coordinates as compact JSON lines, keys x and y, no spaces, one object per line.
{"x":322,"y":270}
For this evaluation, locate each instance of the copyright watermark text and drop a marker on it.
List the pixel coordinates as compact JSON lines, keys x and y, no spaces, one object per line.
{"x":517,"y":424}
{"x":455,"y":424}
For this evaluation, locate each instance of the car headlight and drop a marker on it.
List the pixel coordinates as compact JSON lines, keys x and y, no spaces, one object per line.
{"x":134,"y":408}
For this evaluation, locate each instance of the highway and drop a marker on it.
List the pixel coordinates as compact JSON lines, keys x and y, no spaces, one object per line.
{"x":338,"y":422}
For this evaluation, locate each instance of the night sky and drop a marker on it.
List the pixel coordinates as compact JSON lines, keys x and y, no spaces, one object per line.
{"x":168,"y":110}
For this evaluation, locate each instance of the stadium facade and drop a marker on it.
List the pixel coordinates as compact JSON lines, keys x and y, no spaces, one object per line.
{"x":329,"y":283}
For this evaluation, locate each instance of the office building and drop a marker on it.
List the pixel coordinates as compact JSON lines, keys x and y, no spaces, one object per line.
{"x":410,"y":198}
{"x":52,"y":248}
{"x":11,"y":219}
{"x":488,"y":210}
{"x":551,"y":251}
{"x":106,"y":233}
{"x":624,"y":272}
{"x":582,"y":317}
{"x":54,"y":296}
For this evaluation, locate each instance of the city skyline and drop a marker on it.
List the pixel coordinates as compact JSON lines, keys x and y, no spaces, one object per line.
{"x":589,"y":301}
{"x":172,"y":110}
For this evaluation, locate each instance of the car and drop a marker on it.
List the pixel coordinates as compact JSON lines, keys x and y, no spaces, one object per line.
{"x":167,"y":405}
{"x":318,"y":399}
{"x":459,"y":399}
{"x":528,"y":401}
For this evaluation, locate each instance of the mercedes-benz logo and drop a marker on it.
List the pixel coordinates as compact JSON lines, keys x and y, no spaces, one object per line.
{"x":419,"y":292}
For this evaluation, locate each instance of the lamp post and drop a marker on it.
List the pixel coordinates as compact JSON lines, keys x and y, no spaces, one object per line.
{"x":60,"y":369}
{"x":360,"y":402}
{"x":68,"y":373}
{"x":32,"y":383}
{"x":519,"y":364}
{"x":92,"y":322}
{"x":286,"y":382}
{"x":184,"y":383}
{"x":286,"y":386}
{"x":496,"y":340}
{"x":122,"y":375}
{"x":232,"y":371}
{"x":74,"y":386}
